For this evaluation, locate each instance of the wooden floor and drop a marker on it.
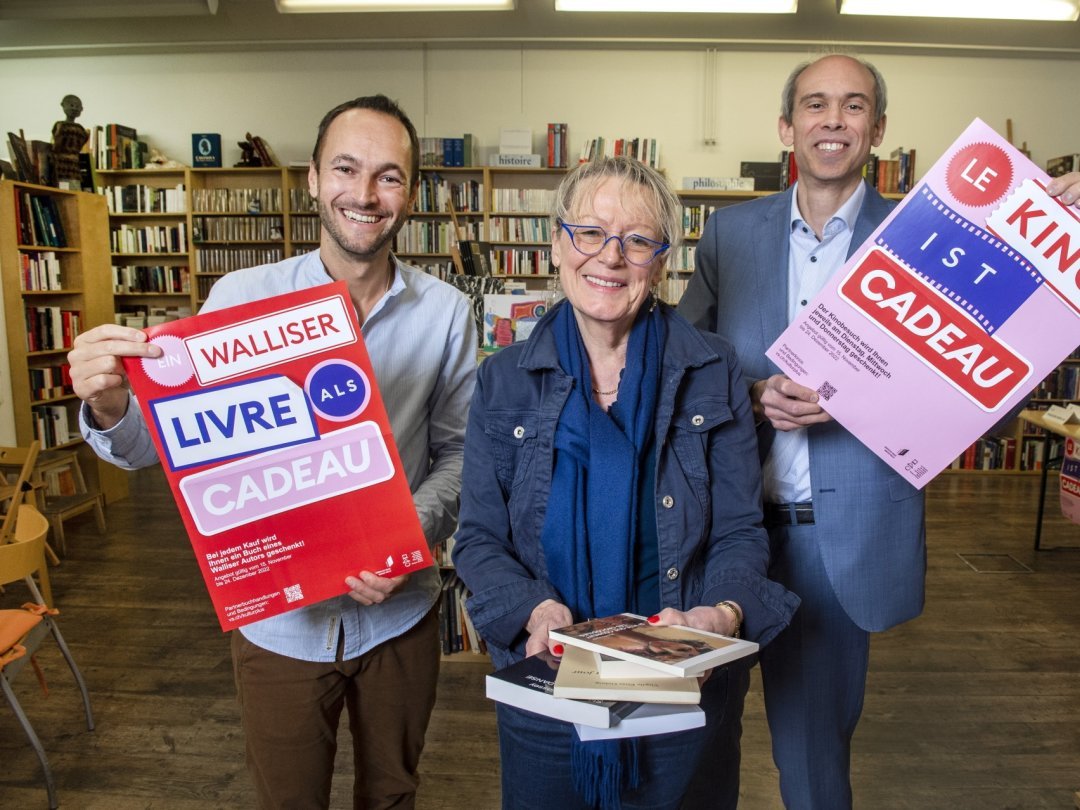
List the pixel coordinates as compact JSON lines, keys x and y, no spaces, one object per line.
{"x":974,"y":705}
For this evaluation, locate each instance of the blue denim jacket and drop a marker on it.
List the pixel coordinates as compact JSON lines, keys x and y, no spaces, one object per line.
{"x":708,"y":487}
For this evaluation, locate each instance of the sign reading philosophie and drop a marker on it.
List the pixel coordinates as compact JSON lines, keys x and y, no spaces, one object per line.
{"x":960,"y":302}
{"x":278,"y":450}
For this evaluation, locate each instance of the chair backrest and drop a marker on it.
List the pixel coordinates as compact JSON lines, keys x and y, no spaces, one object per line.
{"x":22,"y":458}
{"x":19,"y":560}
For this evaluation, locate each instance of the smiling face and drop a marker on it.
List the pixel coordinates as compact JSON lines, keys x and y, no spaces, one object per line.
{"x":832,"y":126}
{"x":605,"y":288}
{"x":362,"y":184}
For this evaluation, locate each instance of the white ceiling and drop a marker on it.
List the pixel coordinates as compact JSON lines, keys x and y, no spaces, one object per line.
{"x":256,"y":25}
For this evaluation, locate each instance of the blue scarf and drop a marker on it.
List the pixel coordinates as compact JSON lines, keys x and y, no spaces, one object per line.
{"x":591,"y":523}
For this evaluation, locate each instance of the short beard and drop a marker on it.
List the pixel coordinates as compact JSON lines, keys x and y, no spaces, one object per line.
{"x":330,"y":226}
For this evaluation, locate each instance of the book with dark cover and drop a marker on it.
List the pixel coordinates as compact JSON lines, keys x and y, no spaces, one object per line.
{"x":529,"y":684}
{"x":670,"y":649}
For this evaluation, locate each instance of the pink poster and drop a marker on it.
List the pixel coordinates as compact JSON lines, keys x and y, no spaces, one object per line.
{"x":1070,"y":480}
{"x":274,"y":438}
{"x":960,"y":302}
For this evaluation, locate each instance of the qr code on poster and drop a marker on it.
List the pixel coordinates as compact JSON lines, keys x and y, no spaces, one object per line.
{"x":826,"y":391}
{"x":293,"y":593}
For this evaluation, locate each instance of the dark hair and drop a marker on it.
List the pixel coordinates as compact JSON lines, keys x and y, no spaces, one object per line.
{"x":787,"y":95}
{"x":377,"y":103}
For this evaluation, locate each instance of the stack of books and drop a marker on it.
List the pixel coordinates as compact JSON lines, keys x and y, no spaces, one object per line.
{"x":619,"y":677}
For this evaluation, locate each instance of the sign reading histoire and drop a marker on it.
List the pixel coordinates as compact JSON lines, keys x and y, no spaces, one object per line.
{"x":278,"y":450}
{"x":958,"y":305}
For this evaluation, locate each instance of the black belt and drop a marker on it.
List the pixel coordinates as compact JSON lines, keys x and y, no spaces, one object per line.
{"x":789,"y":514}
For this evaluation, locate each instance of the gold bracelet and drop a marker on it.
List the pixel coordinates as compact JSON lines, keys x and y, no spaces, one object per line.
{"x":735,"y":614}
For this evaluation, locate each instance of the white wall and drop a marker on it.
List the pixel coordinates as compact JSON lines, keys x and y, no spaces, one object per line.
{"x":652,"y":93}
{"x":614,"y":93}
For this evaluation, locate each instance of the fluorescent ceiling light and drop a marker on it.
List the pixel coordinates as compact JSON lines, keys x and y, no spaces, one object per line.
{"x":1064,"y":10}
{"x":330,"y":6}
{"x":699,"y":6}
{"x":103,"y":9}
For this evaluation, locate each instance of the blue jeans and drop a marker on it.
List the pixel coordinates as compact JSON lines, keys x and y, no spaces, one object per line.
{"x":535,"y":754}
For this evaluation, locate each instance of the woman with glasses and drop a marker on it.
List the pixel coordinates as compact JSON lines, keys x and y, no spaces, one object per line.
{"x":611,"y":465}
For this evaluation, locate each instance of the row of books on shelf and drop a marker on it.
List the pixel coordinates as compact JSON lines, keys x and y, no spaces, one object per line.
{"x":694,"y":219}
{"x":50,"y":382}
{"x":237,"y":229}
{"x":227,"y":259}
{"x":51,"y":328}
{"x":132,"y":279}
{"x":40,"y":271}
{"x":306,"y":229}
{"x":523,"y":200}
{"x":895,"y":175}
{"x":520,"y":229}
{"x":52,"y":427}
{"x":435,"y":194}
{"x":142,"y":317}
{"x":647,"y":150}
{"x":237,"y":200}
{"x":439,"y":152}
{"x":301,"y":201}
{"x":118,"y":147}
{"x":149,"y":238}
{"x":1062,"y":383}
{"x":456,"y":630}
{"x":520,"y":261}
{"x":619,"y":676}
{"x":140,"y":199}
{"x":558,"y":151}
{"x":38,"y":220}
{"x":1005,"y":453}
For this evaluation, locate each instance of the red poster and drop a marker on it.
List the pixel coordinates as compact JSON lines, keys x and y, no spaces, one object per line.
{"x":278,"y":450}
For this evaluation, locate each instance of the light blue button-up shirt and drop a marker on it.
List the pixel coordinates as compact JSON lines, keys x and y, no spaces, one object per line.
{"x":811,"y":263}
{"x":421,"y":338}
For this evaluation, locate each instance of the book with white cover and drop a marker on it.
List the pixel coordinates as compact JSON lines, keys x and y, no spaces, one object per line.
{"x":673,"y":650}
{"x":579,"y":677}
{"x":1063,"y":415}
{"x":645,"y":720}
{"x":528,"y":685}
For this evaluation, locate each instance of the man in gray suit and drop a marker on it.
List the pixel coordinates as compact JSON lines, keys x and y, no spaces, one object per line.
{"x":847,"y":533}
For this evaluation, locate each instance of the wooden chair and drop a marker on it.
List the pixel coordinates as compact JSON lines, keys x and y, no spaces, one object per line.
{"x":20,"y":461}
{"x":58,"y":508}
{"x":23,"y":630}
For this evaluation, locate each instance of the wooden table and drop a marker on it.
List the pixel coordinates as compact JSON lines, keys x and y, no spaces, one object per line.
{"x":1038,"y":419}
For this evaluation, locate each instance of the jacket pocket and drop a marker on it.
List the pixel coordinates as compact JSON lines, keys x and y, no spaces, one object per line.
{"x":513,"y":444}
{"x":691,"y":427}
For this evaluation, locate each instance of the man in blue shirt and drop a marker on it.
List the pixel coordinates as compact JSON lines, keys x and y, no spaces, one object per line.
{"x":376,"y":648}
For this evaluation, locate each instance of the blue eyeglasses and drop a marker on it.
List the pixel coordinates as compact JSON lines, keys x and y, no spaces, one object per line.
{"x":591,"y":239}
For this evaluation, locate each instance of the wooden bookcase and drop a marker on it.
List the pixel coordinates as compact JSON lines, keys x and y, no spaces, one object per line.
{"x":218,"y":220}
{"x":74,"y":295}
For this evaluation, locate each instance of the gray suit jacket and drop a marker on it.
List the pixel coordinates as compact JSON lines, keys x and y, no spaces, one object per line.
{"x":869,"y":520}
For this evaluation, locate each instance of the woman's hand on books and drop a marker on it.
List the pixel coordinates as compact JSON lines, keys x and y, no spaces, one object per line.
{"x":548,"y":615}
{"x":710,"y":619}
{"x":97,"y":369}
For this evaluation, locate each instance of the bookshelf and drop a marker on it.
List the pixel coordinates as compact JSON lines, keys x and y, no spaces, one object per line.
{"x":149,"y":239}
{"x":54,"y":262}
{"x":174,"y":232}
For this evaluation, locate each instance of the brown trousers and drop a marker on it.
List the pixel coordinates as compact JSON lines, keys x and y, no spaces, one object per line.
{"x":290,"y":711}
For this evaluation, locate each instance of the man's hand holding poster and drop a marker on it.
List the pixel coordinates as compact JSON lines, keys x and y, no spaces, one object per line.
{"x":278,"y":451}
{"x":961,"y":301}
